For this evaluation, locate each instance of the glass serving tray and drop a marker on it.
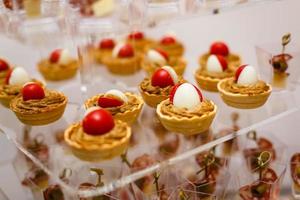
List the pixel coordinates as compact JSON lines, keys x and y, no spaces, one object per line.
{"x":149,"y":137}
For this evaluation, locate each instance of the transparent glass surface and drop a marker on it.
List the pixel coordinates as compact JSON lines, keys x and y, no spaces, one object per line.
{"x":53,"y":7}
{"x":146,"y":129}
{"x":149,"y":136}
{"x":274,"y":187}
{"x":163,"y":11}
{"x":36,"y":32}
{"x":268,"y":180}
{"x":283,"y":81}
{"x":292,"y":170}
{"x":264,"y":142}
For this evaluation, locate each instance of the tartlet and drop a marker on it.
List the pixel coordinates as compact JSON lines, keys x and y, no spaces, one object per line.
{"x":124,"y":60}
{"x":8,"y":92}
{"x":220,"y":48}
{"x":15,"y":79}
{"x":138,"y":40}
{"x":4,"y":70}
{"x":215,"y":70}
{"x":186,"y":111}
{"x":59,"y":66}
{"x":36,"y":106}
{"x":244,"y":91}
{"x":156,"y":58}
{"x":158,"y":88}
{"x":98,"y":137}
{"x":104,"y":49}
{"x":171,"y":45}
{"x":123,"y":106}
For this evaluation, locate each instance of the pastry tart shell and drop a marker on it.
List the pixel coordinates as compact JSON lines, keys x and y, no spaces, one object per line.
{"x":152,"y":100}
{"x":140,"y":45}
{"x":2,"y":81}
{"x":99,"y":55}
{"x":173,"y":50}
{"x":3,"y":76}
{"x":296,"y":188}
{"x":129,"y":116}
{"x":97,"y":154}
{"x":123,"y":66}
{"x":207,"y":83}
{"x":184,"y":125}
{"x":58,"y":72}
{"x":234,"y":60}
{"x":6,"y":99}
{"x":243,"y":101}
{"x":150,"y":69}
{"x":39,"y":118}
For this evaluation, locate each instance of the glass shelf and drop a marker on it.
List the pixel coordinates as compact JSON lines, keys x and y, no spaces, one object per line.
{"x":117,"y":175}
{"x":146,"y":129}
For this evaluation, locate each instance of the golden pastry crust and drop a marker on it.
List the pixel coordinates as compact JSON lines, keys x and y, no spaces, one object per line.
{"x":178,"y":64}
{"x":40,"y":111}
{"x":217,"y":75}
{"x":173,"y":50}
{"x":147,"y":87}
{"x":9,"y":92}
{"x":51,"y":101}
{"x":153,"y":95}
{"x":209,"y":80}
{"x":184,"y":121}
{"x":244,"y":97}
{"x":231,"y":86}
{"x":233,"y":60}
{"x":169,"y":109}
{"x":96,"y":148}
{"x":100,"y":54}
{"x":123,"y":66}
{"x":57,"y":72}
{"x":13,"y":90}
{"x":140,"y":44}
{"x":3,"y":75}
{"x":296,"y":188}
{"x":128,"y":112}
